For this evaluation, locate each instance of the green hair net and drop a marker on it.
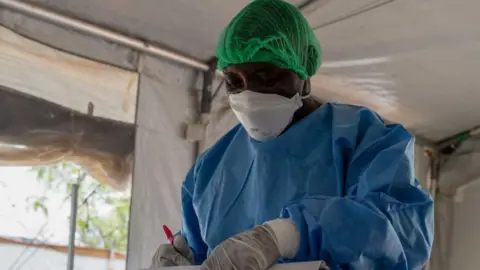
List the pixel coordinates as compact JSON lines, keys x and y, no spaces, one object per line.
{"x":270,"y":31}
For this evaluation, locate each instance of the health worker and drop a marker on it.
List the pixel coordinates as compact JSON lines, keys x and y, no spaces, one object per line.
{"x":297,"y":180}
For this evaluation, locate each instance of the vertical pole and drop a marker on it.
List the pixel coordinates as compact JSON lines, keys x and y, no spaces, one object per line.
{"x":73,"y":210}
{"x":205,"y":102}
{"x":432,"y":185}
{"x":111,"y":257}
{"x":433,"y":173}
{"x":73,"y":226}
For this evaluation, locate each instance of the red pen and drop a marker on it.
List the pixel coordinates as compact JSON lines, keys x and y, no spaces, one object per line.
{"x":168,"y":234}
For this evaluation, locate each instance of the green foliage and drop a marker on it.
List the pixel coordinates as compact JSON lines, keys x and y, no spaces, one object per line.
{"x":39,"y":204}
{"x":102,"y":217}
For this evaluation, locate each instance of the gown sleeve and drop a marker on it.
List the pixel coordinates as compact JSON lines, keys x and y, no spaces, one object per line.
{"x":190,"y":225}
{"x":385,"y":219}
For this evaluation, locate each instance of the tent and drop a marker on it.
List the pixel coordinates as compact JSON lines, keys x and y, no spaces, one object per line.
{"x":414,"y":62}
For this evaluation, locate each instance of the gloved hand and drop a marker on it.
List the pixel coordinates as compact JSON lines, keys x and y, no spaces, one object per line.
{"x":178,"y":254}
{"x":256,"y":249}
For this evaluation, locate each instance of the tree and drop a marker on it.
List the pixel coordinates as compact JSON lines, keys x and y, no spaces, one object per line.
{"x":102,"y":217}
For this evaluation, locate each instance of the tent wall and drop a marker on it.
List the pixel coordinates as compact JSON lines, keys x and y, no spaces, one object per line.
{"x":439,"y":259}
{"x":162,"y":156}
{"x":465,"y":240}
{"x":456,"y":208}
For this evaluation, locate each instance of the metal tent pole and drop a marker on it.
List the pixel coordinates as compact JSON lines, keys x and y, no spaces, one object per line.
{"x":458,"y":138}
{"x":73,"y":226}
{"x":433,"y":173}
{"x":432,"y":185}
{"x":74,"y":208}
{"x":91,"y":29}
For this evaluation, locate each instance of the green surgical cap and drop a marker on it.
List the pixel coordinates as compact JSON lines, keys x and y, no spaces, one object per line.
{"x":274,"y":32}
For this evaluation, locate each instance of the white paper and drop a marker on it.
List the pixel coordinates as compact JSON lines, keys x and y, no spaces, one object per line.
{"x":287,"y":266}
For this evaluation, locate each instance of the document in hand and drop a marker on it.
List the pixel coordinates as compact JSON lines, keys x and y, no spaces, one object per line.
{"x":287,"y":266}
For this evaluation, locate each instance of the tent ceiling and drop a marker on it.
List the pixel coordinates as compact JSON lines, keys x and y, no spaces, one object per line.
{"x":412,"y":61}
{"x":424,"y":63}
{"x":191,"y":28}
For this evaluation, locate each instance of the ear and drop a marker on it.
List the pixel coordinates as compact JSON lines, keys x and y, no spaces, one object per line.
{"x":306,"y":88}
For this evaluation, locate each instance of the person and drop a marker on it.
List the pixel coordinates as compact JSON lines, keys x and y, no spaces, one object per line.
{"x":297,"y":180}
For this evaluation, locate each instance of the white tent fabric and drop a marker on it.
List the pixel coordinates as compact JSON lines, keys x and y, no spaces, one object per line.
{"x":162,"y":157}
{"x":412,"y":61}
{"x":44,"y":72}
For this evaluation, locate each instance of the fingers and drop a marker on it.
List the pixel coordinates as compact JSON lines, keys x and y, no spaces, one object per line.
{"x":166,"y":255}
{"x":255,"y":249}
{"x":181,"y":245}
{"x":158,"y":258}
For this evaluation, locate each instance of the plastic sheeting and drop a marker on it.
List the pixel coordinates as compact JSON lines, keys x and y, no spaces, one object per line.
{"x":34,"y":132}
{"x":48,"y":121}
{"x":65,"y":79}
{"x":68,"y":41}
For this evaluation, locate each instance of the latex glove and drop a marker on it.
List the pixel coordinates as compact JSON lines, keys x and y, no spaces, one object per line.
{"x":256,"y":249}
{"x":323,"y":266}
{"x":178,"y":254}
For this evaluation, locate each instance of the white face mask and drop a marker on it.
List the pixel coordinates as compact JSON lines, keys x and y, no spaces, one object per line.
{"x":264,"y":116}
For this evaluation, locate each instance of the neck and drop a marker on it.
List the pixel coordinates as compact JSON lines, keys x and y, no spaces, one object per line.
{"x":309,"y":106}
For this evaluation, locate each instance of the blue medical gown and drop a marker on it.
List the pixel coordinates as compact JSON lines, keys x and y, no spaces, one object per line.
{"x":344,"y":177}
